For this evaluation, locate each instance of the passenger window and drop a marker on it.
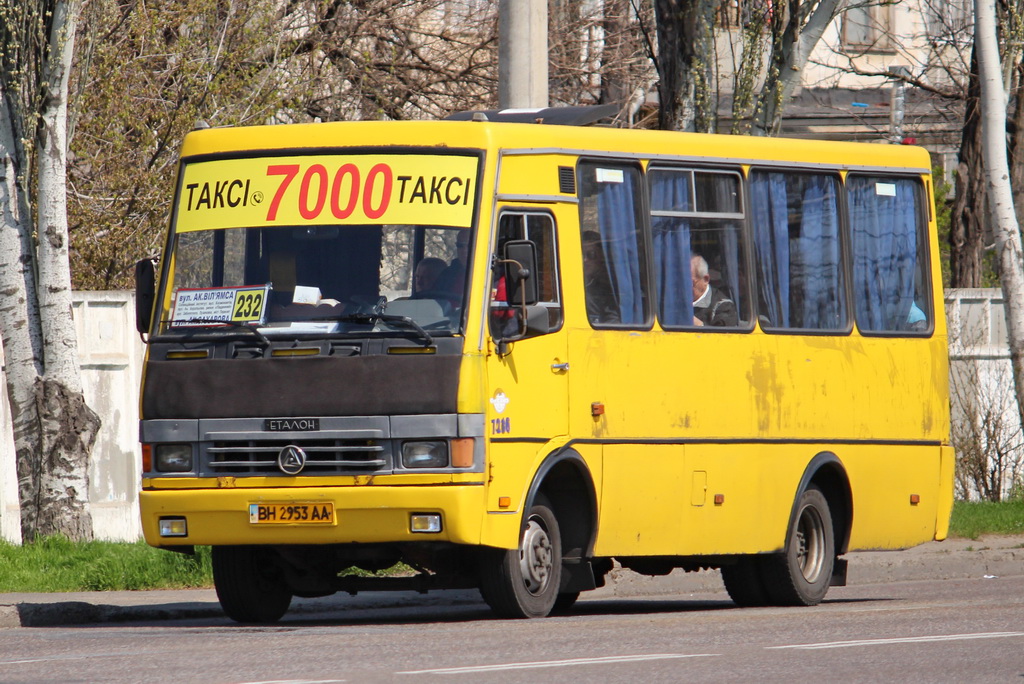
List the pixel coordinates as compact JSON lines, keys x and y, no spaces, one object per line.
{"x":614,"y":253}
{"x":890,"y":254}
{"x":798,"y":251}
{"x":698,"y":246}
{"x":546,"y":315}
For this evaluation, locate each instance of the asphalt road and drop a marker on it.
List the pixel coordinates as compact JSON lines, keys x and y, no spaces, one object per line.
{"x":922,"y":631}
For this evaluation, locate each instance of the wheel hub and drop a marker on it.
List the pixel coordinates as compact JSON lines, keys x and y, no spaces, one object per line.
{"x":810,"y":538}
{"x":535,"y":557}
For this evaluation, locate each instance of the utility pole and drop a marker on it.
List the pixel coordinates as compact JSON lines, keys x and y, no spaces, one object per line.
{"x":898,"y":102}
{"x":522,"y":54}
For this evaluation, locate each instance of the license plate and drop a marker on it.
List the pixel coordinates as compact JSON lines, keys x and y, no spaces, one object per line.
{"x":292,"y":513}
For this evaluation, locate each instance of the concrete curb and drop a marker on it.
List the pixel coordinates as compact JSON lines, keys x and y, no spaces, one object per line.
{"x":953,"y":559}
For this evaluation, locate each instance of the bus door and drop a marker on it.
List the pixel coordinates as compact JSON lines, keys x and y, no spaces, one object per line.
{"x":528,"y":368}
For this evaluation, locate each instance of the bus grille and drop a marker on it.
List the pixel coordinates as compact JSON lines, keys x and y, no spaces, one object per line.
{"x":323,"y":457}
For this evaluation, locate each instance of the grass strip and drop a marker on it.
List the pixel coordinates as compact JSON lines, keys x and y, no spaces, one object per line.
{"x":55,"y":564}
{"x":972,"y":519}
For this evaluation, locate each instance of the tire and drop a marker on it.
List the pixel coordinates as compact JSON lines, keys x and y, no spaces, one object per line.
{"x":801,"y":575}
{"x":524,"y":582}
{"x":565,"y":602}
{"x":249,"y":585}
{"x":745,"y":582}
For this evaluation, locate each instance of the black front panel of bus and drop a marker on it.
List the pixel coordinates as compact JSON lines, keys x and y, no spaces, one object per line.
{"x":354,"y":386}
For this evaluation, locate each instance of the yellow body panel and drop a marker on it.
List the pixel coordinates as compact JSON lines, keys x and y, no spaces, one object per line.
{"x":687,"y":415}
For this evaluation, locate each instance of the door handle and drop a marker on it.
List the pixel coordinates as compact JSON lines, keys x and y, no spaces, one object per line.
{"x":560,"y":367}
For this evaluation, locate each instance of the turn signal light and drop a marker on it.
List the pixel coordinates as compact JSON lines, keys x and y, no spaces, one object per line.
{"x":147,"y":458}
{"x":462,"y":452}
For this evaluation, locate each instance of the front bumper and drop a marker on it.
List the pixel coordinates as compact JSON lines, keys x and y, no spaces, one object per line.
{"x":363,"y":515}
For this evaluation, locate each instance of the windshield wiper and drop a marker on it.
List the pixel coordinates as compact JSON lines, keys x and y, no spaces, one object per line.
{"x":371,"y":318}
{"x":234,"y":325}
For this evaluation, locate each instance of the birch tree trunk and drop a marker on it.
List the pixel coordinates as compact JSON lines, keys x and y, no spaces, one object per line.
{"x":19,"y":317}
{"x":67,"y":425}
{"x":54,"y":429}
{"x":797,"y":26}
{"x":997,"y":176}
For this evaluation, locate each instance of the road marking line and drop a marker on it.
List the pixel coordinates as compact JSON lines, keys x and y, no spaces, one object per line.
{"x":901,"y":640}
{"x":560,"y":663}
{"x":299,"y":681}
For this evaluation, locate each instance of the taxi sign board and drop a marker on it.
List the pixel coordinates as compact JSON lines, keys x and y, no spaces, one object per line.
{"x":334,"y":189}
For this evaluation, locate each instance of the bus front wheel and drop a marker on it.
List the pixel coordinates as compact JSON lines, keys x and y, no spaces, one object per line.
{"x":801,"y":575}
{"x":248,"y":584}
{"x":524,"y":582}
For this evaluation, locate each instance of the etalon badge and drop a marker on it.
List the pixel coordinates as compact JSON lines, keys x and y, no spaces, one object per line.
{"x":291,"y":460}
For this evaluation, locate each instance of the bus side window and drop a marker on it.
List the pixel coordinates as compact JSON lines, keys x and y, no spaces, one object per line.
{"x":698,"y":247}
{"x":546,"y":315}
{"x":798,"y":250}
{"x":890,"y":254}
{"x":615,"y":277}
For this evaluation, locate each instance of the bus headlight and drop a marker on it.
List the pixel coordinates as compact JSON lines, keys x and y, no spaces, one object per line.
{"x":425,"y":454}
{"x":173,"y":458}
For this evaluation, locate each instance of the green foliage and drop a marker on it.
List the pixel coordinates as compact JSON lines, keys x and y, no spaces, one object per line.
{"x":146,"y":73}
{"x":971,"y":519}
{"x":943,"y":218}
{"x":56,"y":564}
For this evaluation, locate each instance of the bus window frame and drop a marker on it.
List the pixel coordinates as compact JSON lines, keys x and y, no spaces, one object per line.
{"x":643,"y":221}
{"x":845,"y":246}
{"x":745,"y":231}
{"x":924,"y":215}
{"x":523,"y":213}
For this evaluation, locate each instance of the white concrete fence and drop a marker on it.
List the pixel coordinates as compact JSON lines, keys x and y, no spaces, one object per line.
{"x":110,"y":352}
{"x":111,"y":356}
{"x":983,"y":403}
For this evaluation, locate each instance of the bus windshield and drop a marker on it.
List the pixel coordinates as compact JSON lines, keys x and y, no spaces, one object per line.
{"x":334,"y":242}
{"x":319,"y":279}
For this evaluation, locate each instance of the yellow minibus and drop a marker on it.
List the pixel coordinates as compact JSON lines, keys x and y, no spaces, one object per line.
{"x":514,"y":355}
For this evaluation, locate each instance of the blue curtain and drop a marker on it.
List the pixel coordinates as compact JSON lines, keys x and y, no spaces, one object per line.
{"x":799,"y":275}
{"x":730,"y":241}
{"x":670,"y":191}
{"x":820,"y":278}
{"x":616,"y":217}
{"x":771,"y":241}
{"x":883,"y":218}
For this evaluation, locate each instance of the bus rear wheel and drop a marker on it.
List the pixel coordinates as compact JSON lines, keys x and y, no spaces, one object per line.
{"x":249,"y":585}
{"x":524,"y":582}
{"x":801,"y":575}
{"x":745,"y":582}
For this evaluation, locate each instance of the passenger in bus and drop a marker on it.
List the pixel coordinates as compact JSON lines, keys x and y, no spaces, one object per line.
{"x":710,"y":306}
{"x":917,"y":320}
{"x":453,"y":278}
{"x":601,"y":304}
{"x":424,"y":279}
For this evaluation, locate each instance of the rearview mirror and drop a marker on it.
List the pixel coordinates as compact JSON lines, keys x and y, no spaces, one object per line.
{"x":145,"y":293}
{"x":521,"y":272}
